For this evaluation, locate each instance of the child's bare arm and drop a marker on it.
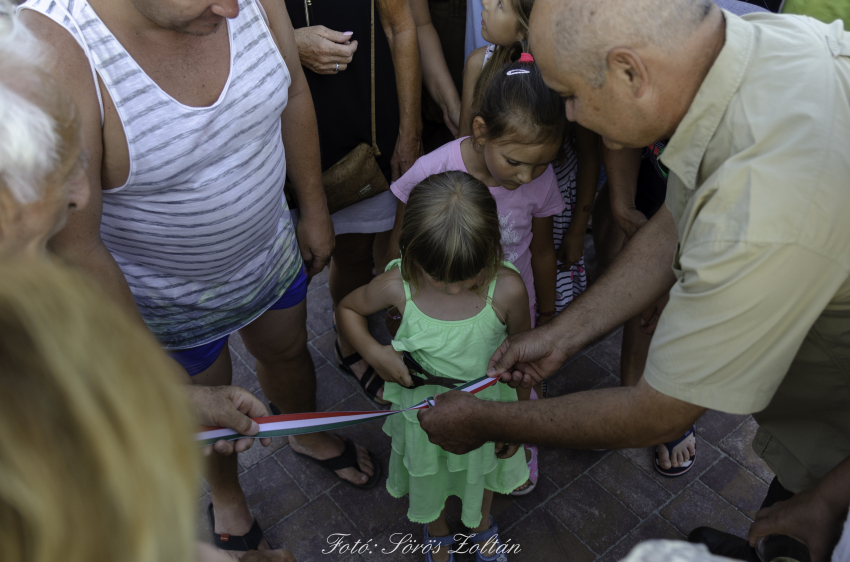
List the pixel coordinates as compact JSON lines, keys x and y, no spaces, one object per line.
{"x":471,"y":72}
{"x":544,"y":266}
{"x":384,"y":291}
{"x":587,"y":178}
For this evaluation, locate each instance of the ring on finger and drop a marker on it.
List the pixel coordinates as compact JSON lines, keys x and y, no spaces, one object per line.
{"x":337,"y":68}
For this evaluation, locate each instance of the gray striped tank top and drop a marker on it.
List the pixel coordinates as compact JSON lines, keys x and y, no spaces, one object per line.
{"x":200,"y":229}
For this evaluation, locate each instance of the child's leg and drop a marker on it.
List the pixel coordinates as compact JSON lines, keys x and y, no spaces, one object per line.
{"x":440,"y":528}
{"x":487,"y":549}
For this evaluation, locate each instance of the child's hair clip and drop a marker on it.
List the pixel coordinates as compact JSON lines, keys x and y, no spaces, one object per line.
{"x":518,"y":71}
{"x":526,"y":57}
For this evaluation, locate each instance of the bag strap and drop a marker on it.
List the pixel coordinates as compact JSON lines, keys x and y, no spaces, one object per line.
{"x":375,"y":148}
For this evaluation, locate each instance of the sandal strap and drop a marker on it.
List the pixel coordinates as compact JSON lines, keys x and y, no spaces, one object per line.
{"x":351,"y":359}
{"x":249,"y":541}
{"x":672,"y":444}
{"x":437,"y":541}
{"x":484,"y":535}
{"x":374,"y":384}
{"x":346,"y":459}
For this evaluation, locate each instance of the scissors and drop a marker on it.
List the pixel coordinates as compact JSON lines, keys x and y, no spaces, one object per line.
{"x":414,"y":366}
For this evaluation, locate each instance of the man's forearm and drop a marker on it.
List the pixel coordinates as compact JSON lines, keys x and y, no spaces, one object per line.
{"x":639,"y":276}
{"x":303,"y":160}
{"x":610,"y":418}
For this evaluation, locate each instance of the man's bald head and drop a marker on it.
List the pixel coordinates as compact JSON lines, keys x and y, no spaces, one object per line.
{"x":581,"y":33}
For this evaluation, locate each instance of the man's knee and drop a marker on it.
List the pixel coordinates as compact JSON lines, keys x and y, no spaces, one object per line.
{"x":291,"y":347}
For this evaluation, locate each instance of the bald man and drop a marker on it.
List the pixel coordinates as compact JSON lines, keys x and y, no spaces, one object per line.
{"x":757,"y":110}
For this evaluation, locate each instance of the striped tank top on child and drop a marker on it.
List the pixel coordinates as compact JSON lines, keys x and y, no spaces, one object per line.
{"x":200,"y":229}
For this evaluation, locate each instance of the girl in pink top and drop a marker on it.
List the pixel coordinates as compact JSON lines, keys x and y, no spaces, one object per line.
{"x":516,"y":135}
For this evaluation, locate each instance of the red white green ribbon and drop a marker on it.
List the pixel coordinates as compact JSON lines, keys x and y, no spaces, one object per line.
{"x":297,"y":424}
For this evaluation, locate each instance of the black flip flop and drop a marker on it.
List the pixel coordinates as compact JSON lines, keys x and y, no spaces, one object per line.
{"x":249,"y":541}
{"x":348,"y":459}
{"x":370,"y":385}
{"x":688,"y":464}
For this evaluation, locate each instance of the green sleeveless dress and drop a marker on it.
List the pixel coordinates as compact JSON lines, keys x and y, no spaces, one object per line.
{"x":458,"y":349}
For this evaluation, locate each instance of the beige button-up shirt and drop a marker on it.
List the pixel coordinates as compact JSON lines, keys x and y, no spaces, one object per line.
{"x":759,"y":319}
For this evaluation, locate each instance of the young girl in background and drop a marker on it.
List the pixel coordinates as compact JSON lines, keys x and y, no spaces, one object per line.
{"x":517,"y":133}
{"x":505,"y":25}
{"x":458,"y":301}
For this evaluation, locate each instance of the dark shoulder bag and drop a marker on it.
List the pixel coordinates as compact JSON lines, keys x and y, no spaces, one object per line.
{"x":357,"y":176}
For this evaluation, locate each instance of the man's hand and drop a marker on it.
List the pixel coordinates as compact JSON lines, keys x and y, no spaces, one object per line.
{"x":454,"y":410}
{"x":320,"y":49}
{"x":315,"y":233}
{"x":526,"y":358}
{"x":231,"y":407}
{"x":407,"y":149}
{"x":805,"y":517}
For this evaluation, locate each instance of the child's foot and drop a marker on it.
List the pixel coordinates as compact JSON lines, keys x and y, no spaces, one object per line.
{"x":488,"y":544}
{"x":352,"y":364}
{"x":437,"y":535}
{"x":531,"y":460}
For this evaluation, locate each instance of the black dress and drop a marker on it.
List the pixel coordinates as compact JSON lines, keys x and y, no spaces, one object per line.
{"x":343,"y":100}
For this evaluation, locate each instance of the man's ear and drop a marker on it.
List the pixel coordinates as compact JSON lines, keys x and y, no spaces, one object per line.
{"x":626,"y":67}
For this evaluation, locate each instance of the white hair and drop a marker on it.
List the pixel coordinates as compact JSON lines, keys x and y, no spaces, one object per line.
{"x":585,"y":31}
{"x":28,"y":135}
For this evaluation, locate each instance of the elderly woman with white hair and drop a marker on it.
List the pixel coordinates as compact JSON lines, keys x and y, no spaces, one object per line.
{"x":41,"y":171}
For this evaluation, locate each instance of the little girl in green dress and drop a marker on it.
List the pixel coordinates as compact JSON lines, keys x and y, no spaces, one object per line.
{"x":459,"y":301}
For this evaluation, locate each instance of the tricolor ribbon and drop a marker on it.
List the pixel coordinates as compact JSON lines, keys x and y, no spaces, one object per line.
{"x":297,"y":424}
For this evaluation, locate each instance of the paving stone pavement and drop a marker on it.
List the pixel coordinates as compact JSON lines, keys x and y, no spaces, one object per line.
{"x":587,"y":505}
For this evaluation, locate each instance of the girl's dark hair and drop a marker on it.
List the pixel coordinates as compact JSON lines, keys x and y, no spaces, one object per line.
{"x":451,"y":230}
{"x":518,"y":104}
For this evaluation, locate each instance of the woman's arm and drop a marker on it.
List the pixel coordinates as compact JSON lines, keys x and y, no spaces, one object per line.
{"x":435,"y":72}
{"x":398,"y":24}
{"x":382,"y":292}
{"x":471,"y":72}
{"x":587,"y":178}
{"x":543,"y":265}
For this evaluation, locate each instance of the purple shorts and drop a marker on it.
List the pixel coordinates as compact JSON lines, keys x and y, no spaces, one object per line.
{"x":197,"y":359}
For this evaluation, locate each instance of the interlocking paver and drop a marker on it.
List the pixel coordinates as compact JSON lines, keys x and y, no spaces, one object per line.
{"x":593,"y":514}
{"x":313,"y":529}
{"x":714,"y":426}
{"x":320,"y":310}
{"x":642,"y":495}
{"x":738,"y":445}
{"x":587,"y":505}
{"x":607,"y":351}
{"x":577,"y":375}
{"x":331,"y":388}
{"x":542,"y":538}
{"x":271,"y":492}
{"x":370,"y":511}
{"x":312,"y":479}
{"x":699,"y":506}
{"x":243,"y":375}
{"x":653,"y":528}
{"x":737,"y":485}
